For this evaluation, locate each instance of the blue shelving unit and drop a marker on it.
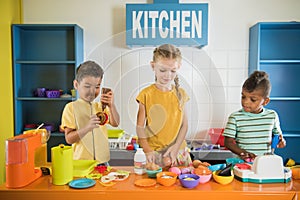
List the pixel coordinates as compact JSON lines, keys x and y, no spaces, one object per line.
{"x":44,"y":55}
{"x":275,"y":48}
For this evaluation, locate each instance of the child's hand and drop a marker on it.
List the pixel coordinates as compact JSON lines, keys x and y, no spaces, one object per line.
{"x":93,"y":123}
{"x":247,"y":156}
{"x":172,"y":152}
{"x":282,"y":142}
{"x":150,"y":156}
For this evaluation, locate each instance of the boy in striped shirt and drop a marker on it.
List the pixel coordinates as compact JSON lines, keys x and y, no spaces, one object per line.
{"x":249,"y":131}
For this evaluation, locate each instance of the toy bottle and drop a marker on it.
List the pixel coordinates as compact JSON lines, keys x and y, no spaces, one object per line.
{"x":139,"y":161}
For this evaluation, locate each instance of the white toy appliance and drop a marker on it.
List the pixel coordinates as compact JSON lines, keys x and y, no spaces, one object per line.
{"x":265,"y":169}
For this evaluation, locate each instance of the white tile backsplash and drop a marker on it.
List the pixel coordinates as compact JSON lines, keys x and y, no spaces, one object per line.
{"x":236,"y":77}
{"x":237,"y":59}
{"x":234,"y":94}
{"x":219,"y":59}
{"x":218,"y":78}
{"x":201,"y":59}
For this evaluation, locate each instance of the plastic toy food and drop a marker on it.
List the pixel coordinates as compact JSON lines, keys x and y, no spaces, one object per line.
{"x":175,"y":170}
{"x":185,"y":170}
{"x":196,"y":163}
{"x":152,"y":166}
{"x":201,"y":170}
{"x":103,"y":117}
{"x":226,"y":171}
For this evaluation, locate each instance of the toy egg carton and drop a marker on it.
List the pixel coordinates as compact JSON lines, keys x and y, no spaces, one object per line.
{"x":265,"y":169}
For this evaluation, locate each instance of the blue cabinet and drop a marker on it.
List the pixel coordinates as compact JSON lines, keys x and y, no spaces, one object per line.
{"x":275,"y":48}
{"x":44,"y":56}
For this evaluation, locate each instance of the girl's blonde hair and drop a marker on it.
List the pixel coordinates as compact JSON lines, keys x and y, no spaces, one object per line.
{"x":169,"y":51}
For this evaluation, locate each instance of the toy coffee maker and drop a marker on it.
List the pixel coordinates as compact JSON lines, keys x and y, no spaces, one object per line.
{"x":20,"y":156}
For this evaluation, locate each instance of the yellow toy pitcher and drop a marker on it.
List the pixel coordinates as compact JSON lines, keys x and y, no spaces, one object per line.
{"x":62,"y":164}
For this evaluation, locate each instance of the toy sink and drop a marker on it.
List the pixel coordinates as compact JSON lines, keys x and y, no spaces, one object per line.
{"x":265,"y":169}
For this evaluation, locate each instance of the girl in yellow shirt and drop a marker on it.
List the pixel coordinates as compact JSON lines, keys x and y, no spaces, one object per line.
{"x":161,"y":120}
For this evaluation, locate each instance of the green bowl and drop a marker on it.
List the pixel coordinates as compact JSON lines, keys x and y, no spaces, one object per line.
{"x":152,"y":173}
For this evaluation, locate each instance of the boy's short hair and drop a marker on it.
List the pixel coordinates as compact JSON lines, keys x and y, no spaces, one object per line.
{"x":258,"y":80}
{"x":89,"y":68}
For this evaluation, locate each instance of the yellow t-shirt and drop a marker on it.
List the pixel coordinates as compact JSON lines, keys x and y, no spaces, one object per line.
{"x":163,"y":115}
{"x":95,"y":143}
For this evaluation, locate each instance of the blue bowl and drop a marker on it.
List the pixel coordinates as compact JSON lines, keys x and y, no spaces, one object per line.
{"x":234,"y":161}
{"x":152,"y":173}
{"x":189,"y":180}
{"x":217,"y":167}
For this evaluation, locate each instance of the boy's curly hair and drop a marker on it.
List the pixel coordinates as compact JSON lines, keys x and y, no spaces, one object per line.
{"x":258,"y":80}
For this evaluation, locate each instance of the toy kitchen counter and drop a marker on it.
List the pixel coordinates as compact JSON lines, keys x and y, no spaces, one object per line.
{"x":125,"y":157}
{"x":120,"y":157}
{"x":213,"y":155}
{"x":43,"y":188}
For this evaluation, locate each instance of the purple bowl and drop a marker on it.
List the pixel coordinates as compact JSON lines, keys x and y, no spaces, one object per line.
{"x":40,"y":92}
{"x":189,"y":180}
{"x":53,"y":93}
{"x":49,"y":127}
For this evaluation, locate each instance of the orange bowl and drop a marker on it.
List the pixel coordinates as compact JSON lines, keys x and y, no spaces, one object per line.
{"x":166,"y":178}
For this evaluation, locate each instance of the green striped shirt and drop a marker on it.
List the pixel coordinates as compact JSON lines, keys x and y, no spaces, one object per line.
{"x":253,"y":132}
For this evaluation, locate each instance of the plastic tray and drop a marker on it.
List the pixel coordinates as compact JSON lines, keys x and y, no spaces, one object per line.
{"x":82,"y":168}
{"x":115,"y":133}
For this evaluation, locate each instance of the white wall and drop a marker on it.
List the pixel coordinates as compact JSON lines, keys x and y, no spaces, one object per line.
{"x":212,"y":75}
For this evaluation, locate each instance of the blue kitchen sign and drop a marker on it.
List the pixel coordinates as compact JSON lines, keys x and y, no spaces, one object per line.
{"x":166,"y":21}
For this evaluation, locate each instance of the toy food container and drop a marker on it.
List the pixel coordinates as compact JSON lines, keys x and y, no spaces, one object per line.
{"x":62,"y":164}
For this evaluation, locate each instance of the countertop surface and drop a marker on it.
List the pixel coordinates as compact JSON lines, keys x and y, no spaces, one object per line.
{"x":43,"y":189}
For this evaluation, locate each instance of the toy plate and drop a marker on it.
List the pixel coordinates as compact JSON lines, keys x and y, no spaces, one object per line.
{"x":82,"y":183}
{"x":119,"y":176}
{"x":146,"y":182}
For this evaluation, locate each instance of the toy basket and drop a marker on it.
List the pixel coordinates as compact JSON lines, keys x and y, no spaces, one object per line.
{"x":121,"y":142}
{"x":216,"y":136}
